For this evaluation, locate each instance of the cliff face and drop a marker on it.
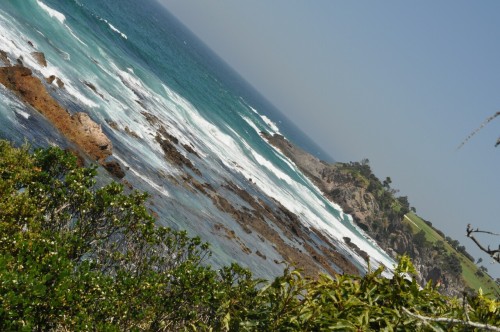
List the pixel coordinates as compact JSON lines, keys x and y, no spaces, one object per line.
{"x":370,"y":212}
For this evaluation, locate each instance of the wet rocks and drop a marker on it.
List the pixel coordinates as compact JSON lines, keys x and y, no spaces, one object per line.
{"x":93,"y":88}
{"x":40,"y":58}
{"x":53,"y":78}
{"x":79,"y":128}
{"x":4,"y":58}
{"x":282,"y":228}
{"x":173,"y":155}
{"x":114,"y":168}
{"x":131,"y":132}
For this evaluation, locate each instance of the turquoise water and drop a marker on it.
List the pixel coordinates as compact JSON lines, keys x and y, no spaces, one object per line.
{"x":141,"y":59}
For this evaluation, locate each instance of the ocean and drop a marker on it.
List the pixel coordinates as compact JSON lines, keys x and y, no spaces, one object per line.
{"x":125,"y":61}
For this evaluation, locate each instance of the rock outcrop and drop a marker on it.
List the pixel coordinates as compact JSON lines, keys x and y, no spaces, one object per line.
{"x":40,"y":58}
{"x":79,"y":127}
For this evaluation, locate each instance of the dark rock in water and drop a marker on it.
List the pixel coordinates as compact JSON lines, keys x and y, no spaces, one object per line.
{"x":172,"y":154}
{"x":4,"y":58}
{"x":167,"y":135}
{"x":40,"y":58}
{"x":261,"y":255}
{"x":112,"y":124}
{"x":190,"y":149}
{"x":50,"y":79}
{"x":53,"y":78}
{"x":59,"y":82}
{"x":131,"y":132}
{"x":93,"y":88}
{"x":152,"y":119}
{"x":114,"y":168}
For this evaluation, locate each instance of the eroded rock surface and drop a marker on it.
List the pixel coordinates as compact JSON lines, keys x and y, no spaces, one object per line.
{"x":79,"y":128}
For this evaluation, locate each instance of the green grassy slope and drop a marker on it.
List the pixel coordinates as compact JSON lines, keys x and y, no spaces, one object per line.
{"x":469,"y":269}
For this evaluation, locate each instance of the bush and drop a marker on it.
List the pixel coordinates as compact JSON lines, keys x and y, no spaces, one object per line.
{"x":77,"y":257}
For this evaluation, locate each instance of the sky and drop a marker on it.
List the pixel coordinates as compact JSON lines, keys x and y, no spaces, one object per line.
{"x":400,"y":83}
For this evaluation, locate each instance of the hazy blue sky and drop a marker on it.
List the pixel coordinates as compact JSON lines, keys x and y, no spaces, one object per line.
{"x":400,"y":83}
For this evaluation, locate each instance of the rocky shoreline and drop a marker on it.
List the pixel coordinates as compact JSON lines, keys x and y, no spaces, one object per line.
{"x":78,"y":127}
{"x":273,"y":223}
{"x":353,"y":196}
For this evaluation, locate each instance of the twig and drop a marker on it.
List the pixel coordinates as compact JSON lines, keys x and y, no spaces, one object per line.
{"x":452,"y":321}
{"x":478,"y":129}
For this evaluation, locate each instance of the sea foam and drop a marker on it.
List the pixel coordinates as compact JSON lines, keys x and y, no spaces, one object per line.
{"x":52,"y":12}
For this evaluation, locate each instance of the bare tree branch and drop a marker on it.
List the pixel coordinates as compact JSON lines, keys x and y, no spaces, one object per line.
{"x":452,"y":321}
{"x":488,"y":120}
{"x":495,"y":254}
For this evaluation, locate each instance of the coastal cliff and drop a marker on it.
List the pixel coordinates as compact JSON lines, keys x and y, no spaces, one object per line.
{"x":375,"y":209}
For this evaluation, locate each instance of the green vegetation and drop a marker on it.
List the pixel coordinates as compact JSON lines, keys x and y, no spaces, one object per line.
{"x":77,"y":257}
{"x":391,"y":206}
{"x":470,"y":274}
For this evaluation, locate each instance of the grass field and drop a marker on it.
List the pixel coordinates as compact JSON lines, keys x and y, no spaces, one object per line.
{"x":469,"y":269}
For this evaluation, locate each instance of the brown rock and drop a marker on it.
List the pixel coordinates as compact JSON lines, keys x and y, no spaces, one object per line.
{"x":4,"y":58}
{"x":40,"y":58}
{"x":59,"y":83}
{"x":114,"y":168}
{"x":112,"y":124}
{"x":92,"y":131}
{"x":131,"y":132}
{"x":50,"y":79}
{"x":79,"y":128}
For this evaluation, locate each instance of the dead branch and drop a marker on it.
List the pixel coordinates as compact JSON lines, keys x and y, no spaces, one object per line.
{"x":495,"y":254}
{"x":452,"y":321}
{"x":488,"y":120}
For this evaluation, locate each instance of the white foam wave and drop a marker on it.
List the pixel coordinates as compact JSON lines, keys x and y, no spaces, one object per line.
{"x":251,"y":124}
{"x":271,"y":124}
{"x":60,"y":17}
{"x":274,"y":128}
{"x":52,"y":12}
{"x":153,"y":185}
{"x":74,"y":35}
{"x":23,"y":114}
{"x":124,"y":36}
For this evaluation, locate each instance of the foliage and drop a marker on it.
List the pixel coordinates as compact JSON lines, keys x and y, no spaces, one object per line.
{"x":77,"y":257}
{"x":394,"y":207}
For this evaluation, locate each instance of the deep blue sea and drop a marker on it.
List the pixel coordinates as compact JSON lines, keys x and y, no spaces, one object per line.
{"x":140,"y":59}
